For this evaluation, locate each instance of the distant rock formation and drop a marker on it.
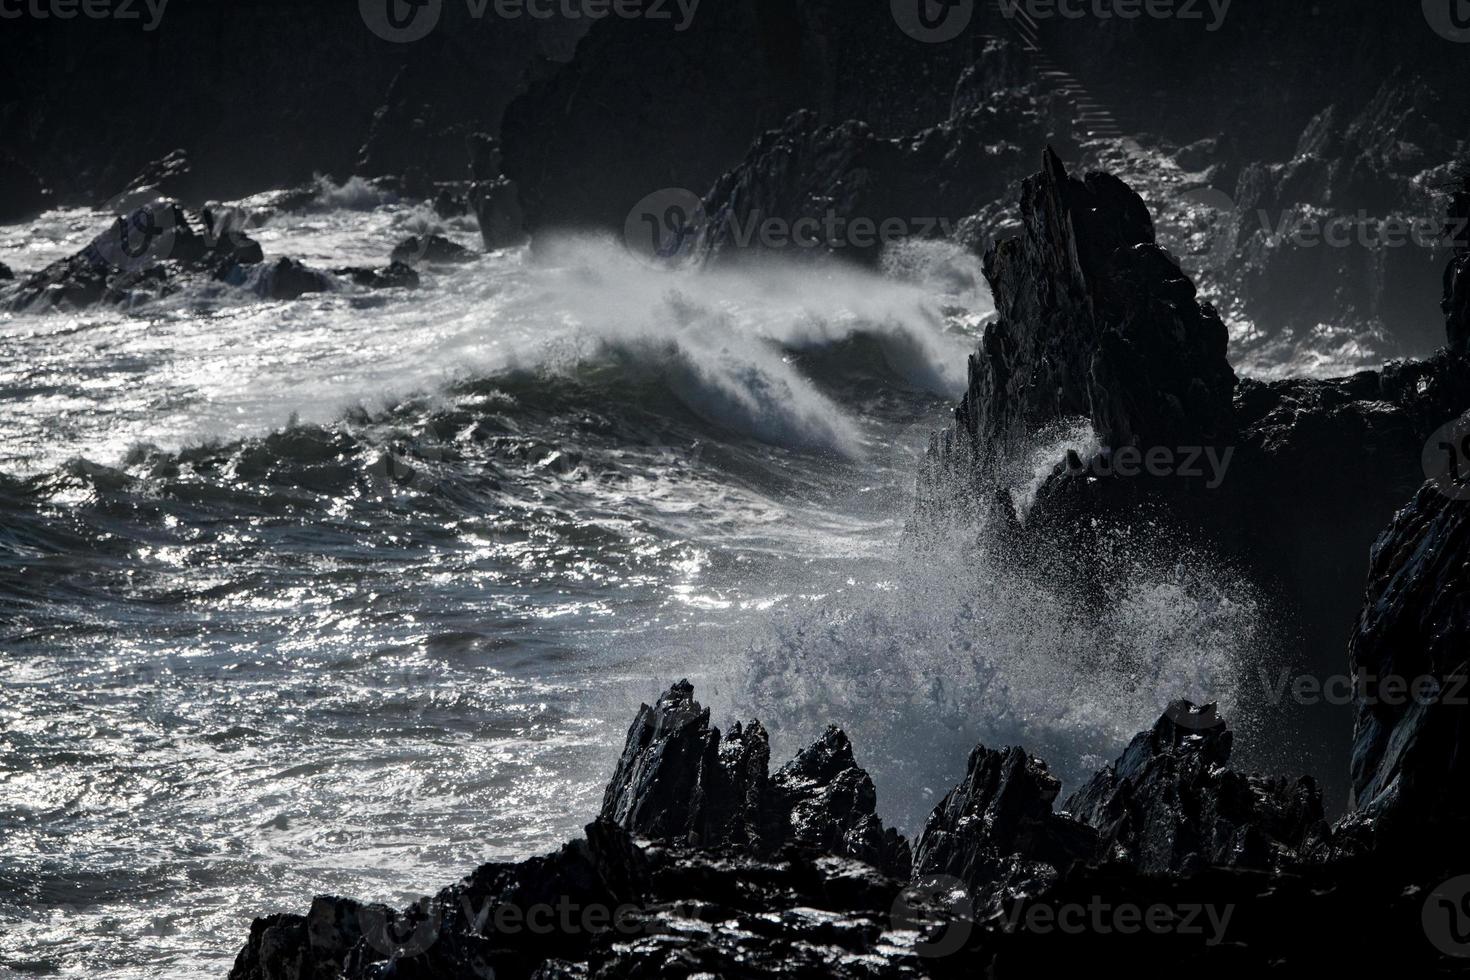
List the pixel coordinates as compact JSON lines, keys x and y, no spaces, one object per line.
{"x":141,"y":256}
{"x":650,"y":104}
{"x":159,"y":249}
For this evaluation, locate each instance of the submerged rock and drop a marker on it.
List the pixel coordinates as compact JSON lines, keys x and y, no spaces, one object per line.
{"x":288,"y":279}
{"x":431,"y":249}
{"x":146,"y":254}
{"x":396,"y":275}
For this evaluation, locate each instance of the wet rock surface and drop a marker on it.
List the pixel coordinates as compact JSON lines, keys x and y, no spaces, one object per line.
{"x":697,"y":867}
{"x":1170,"y":802}
{"x":1096,"y":322}
{"x":999,"y":821}
{"x":141,"y":256}
{"x":431,"y":250}
{"x":1411,"y":738}
{"x":679,"y":780}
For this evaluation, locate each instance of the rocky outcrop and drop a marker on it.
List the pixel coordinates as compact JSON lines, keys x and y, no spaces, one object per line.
{"x":144,"y":255}
{"x":701,"y":865}
{"x":1411,"y":738}
{"x":824,"y":802}
{"x":678,"y":780}
{"x":261,"y":95}
{"x":170,"y":177}
{"x":1094,"y":320}
{"x":1171,"y":804}
{"x":814,"y":188}
{"x":997,"y":822}
{"x":160,"y":249}
{"x":1355,"y":212}
{"x":497,"y":207}
{"x":288,"y":279}
{"x":807,"y":189}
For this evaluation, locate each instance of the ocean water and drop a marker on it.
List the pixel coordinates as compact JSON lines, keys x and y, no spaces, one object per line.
{"x":353,"y":593}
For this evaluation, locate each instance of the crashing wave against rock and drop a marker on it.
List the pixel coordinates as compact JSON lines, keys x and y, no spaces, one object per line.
{"x":704,"y":863}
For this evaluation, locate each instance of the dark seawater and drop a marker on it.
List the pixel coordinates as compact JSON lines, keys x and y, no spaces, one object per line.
{"x":353,"y":593}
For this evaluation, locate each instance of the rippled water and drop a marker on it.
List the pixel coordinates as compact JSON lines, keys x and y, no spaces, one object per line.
{"x":355,"y":592}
